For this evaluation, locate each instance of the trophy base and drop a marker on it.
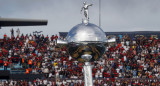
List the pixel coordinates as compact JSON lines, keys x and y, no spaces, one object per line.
{"x":88,"y":74}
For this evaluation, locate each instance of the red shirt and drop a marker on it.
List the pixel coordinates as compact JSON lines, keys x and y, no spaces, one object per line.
{"x":0,"y":54}
{"x":5,"y":63}
{"x":69,"y":65}
{"x":1,"y":61}
{"x":105,"y":74}
{"x":52,"y":38}
{"x":56,"y":37}
{"x":5,"y":35}
{"x":112,"y":79}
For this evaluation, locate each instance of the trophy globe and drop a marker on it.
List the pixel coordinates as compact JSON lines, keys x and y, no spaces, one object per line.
{"x":86,"y":42}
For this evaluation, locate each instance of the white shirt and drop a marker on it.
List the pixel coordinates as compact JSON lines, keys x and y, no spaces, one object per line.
{"x":120,"y":74}
{"x":117,"y":84}
{"x":64,"y":82}
{"x":127,"y":42}
{"x":30,"y":37}
{"x":125,"y":58}
{"x":50,"y":74}
{"x":120,"y":66}
{"x":117,"y":70}
{"x":105,"y":84}
{"x":45,"y":82}
{"x":46,"y":59}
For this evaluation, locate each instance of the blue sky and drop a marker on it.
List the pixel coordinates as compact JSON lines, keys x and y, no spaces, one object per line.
{"x":62,"y":15}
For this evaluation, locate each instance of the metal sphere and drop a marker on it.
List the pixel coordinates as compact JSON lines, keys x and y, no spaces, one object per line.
{"x":89,"y":32}
{"x":85,"y":40}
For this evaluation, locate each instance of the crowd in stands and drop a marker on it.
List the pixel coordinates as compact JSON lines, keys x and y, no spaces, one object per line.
{"x":45,"y":82}
{"x":127,"y":58}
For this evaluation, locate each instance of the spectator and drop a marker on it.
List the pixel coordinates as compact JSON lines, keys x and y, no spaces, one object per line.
{"x":12,"y":32}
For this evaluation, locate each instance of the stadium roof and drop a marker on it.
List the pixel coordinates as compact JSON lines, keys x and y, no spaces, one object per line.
{"x":131,"y":34}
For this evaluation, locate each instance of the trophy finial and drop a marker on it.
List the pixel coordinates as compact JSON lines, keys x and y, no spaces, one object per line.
{"x":85,"y":8}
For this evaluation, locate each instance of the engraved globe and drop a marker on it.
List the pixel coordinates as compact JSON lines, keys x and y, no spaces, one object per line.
{"x":86,"y":42}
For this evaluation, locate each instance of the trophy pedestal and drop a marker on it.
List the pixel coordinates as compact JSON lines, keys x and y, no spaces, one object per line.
{"x":88,"y":74}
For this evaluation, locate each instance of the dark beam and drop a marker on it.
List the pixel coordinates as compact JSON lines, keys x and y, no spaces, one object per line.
{"x":4,"y":22}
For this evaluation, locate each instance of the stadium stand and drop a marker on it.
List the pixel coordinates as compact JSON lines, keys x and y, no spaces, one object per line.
{"x":134,"y":60}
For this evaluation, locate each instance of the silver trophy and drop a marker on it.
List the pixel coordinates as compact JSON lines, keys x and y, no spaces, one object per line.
{"x":86,"y":42}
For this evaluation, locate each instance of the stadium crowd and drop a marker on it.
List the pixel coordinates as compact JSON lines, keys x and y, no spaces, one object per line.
{"x":137,"y":58}
{"x":45,"y":82}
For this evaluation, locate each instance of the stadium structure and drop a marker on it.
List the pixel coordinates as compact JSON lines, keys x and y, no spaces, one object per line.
{"x":131,"y":34}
